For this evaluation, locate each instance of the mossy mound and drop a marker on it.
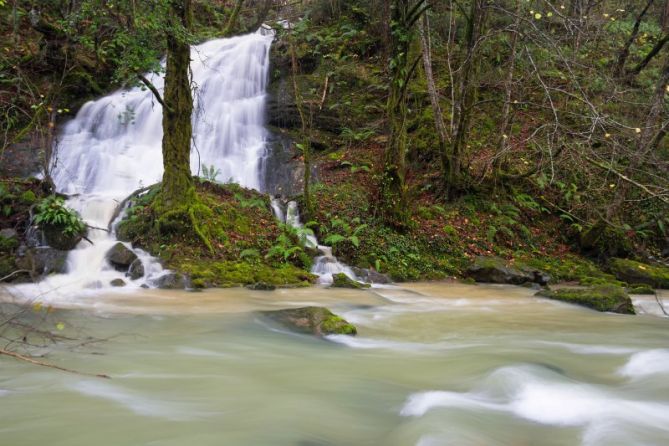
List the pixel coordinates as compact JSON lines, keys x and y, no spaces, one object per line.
{"x":235,"y":239}
{"x":601,"y":298}
{"x":570,"y":268}
{"x":640,"y":289}
{"x":631,"y":271}
{"x":341,"y":280}
{"x":317,"y":321}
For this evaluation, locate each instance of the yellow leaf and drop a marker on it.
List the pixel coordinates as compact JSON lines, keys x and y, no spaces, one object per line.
{"x":537,"y":16}
{"x":60,"y":326}
{"x":37,"y":306}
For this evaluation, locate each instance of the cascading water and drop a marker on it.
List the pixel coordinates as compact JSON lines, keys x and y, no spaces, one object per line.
{"x":326,"y":264}
{"x":113,"y":147}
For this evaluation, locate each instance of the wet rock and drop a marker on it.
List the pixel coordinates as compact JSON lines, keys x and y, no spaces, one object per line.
{"x":56,"y":238}
{"x":9,"y":234}
{"x":117,"y":283}
{"x":136,"y":270}
{"x":41,"y":261}
{"x":341,"y":280}
{"x":640,"y":288}
{"x":261,"y":286}
{"x":170,"y":281}
{"x":640,"y":273}
{"x":120,"y":257}
{"x":317,"y":321}
{"x":371,"y":276}
{"x":601,"y":298}
{"x":495,"y":270}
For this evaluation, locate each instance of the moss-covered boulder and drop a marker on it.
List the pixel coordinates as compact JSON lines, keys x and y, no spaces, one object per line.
{"x":317,"y":321}
{"x":41,"y":261}
{"x":495,"y":270}
{"x":261,"y":286}
{"x":631,"y":271}
{"x":136,"y":270}
{"x":117,"y":283}
{"x":341,"y":280}
{"x":170,"y":281}
{"x":601,"y":298}
{"x":640,"y":288}
{"x":604,"y":241}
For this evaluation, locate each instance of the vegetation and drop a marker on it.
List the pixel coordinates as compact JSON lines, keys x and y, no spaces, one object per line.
{"x":601,"y":298}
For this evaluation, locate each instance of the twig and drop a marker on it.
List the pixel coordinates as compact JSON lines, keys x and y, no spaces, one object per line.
{"x":2,"y":279}
{"x":53,"y":366}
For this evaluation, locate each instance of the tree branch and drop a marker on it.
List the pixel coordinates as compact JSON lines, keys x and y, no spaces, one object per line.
{"x":154,"y":90}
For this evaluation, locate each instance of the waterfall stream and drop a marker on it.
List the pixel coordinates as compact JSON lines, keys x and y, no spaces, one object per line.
{"x":113,"y":147}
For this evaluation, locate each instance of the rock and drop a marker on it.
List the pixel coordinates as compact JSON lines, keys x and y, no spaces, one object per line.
{"x":57,"y":239}
{"x":261,"y":286}
{"x":639,"y":288}
{"x":170,"y":281}
{"x":136,"y":270}
{"x":371,"y":276}
{"x":117,"y":283}
{"x":603,"y":241}
{"x":120,"y":257}
{"x":494,"y":270}
{"x":317,"y":321}
{"x":42,"y":261}
{"x":601,"y":298}
{"x":341,"y":280}
{"x":9,"y":233}
{"x":640,"y":273}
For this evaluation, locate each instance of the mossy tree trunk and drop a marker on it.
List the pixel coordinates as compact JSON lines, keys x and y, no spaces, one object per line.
{"x":177,"y":188}
{"x":394,"y":205}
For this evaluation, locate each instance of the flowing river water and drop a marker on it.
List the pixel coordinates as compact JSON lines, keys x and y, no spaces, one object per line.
{"x":433,"y":364}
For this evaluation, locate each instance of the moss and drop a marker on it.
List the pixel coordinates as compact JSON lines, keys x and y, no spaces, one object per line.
{"x":28,"y":197}
{"x":601,"y":298}
{"x":640,"y":289}
{"x":341,"y":280}
{"x":231,"y":222}
{"x":631,"y":271}
{"x":317,"y":321}
{"x":8,"y":244}
{"x":336,"y":325}
{"x":570,"y":268}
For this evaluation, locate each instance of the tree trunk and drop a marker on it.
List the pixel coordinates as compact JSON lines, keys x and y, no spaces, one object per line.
{"x":440,"y":126}
{"x":651,"y":54}
{"x":177,"y":187}
{"x":232,"y":21}
{"x":625,"y":50}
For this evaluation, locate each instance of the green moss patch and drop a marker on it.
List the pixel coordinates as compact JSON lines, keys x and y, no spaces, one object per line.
{"x":236,"y":240}
{"x":601,"y":298}
{"x":631,"y":271}
{"x":318,"y":321}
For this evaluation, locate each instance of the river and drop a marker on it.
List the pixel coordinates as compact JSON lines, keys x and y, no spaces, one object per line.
{"x":433,"y":364}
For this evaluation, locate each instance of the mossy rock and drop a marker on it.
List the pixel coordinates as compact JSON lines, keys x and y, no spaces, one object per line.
{"x":495,"y":270}
{"x":261,"y":286}
{"x":317,"y":321}
{"x":341,"y":280}
{"x":640,"y":288}
{"x":631,"y":271}
{"x":120,"y":257}
{"x":602,"y":240}
{"x":60,"y":240}
{"x":601,"y":298}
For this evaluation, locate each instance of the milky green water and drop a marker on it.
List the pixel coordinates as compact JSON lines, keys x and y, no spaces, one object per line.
{"x":433,"y":364}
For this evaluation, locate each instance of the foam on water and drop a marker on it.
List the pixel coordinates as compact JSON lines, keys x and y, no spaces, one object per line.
{"x":647,"y":363}
{"x":546,"y":397}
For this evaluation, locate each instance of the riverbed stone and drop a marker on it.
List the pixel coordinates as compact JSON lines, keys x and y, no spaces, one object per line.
{"x":631,"y":271}
{"x":317,"y":321}
{"x":495,"y":270}
{"x":371,"y":276}
{"x":261,"y":286}
{"x":170,"y":281}
{"x":341,"y":280}
{"x":117,"y":283}
{"x":605,"y":298}
{"x":136,"y":270}
{"x":120,"y":257}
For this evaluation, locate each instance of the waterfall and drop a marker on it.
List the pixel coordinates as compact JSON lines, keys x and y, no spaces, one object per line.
{"x":113,"y":147}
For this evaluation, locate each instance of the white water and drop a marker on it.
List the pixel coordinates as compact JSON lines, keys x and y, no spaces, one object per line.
{"x":113,"y":147}
{"x":326,"y":264}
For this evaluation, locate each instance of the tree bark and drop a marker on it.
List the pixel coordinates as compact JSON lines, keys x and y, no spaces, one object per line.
{"x":232,"y":21}
{"x":177,"y":187}
{"x":625,"y":50}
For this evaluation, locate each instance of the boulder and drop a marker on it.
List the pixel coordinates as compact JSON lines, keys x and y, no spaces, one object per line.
{"x":341,"y":280}
{"x":495,"y":270}
{"x":56,"y":238}
{"x":117,"y":283}
{"x":640,"y":273}
{"x":136,"y":270}
{"x":601,"y":298}
{"x":41,"y":261}
{"x":170,"y":281}
{"x":120,"y":257}
{"x":261,"y":286}
{"x":9,"y":234}
{"x":317,"y":321}
{"x":371,"y":276}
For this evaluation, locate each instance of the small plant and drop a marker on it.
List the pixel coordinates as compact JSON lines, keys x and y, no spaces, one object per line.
{"x":253,"y":202}
{"x":209,"y":173}
{"x":345,"y":232}
{"x":52,"y":212}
